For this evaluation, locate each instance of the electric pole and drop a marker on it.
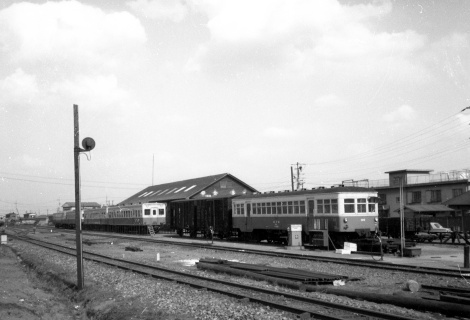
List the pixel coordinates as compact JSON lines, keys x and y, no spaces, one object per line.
{"x":88,"y":145}
{"x":299,"y":182}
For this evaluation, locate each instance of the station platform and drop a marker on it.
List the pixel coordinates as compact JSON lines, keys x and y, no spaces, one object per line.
{"x":433,"y":255}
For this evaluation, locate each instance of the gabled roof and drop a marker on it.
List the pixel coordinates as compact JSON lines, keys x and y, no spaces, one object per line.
{"x":185,"y":189}
{"x":462,"y":200}
{"x":84,"y":204}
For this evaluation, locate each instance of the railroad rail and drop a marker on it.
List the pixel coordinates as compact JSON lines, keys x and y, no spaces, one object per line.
{"x":301,"y":256}
{"x":303,"y":306}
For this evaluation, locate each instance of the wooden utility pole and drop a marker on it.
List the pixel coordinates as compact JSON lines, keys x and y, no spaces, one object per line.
{"x":78,"y":211}
{"x":292,"y":177}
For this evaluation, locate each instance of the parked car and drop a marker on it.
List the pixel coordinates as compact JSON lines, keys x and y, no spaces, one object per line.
{"x":373,"y":245}
{"x":436,"y":227}
{"x":423,"y":237}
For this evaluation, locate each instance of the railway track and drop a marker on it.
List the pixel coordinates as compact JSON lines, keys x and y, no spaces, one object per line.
{"x":310,"y":257}
{"x":300,"y":305}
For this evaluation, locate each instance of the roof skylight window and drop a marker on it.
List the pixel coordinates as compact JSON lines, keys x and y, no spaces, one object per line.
{"x":180,"y":189}
{"x":189,"y":188}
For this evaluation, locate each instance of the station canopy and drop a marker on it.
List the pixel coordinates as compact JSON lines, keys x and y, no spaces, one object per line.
{"x":426,"y":208}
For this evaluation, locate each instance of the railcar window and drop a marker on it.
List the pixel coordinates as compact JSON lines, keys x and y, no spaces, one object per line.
{"x":239,"y":209}
{"x":320,"y":206}
{"x":279,"y":207}
{"x":296,"y":207}
{"x":290,"y":207}
{"x":273,"y":208}
{"x":361,"y":205}
{"x":268,"y":208}
{"x":349,"y":205}
{"x":284,"y":207}
{"x":327,"y":208}
{"x":263,"y":208}
{"x":302,"y":207}
{"x":147,"y":212}
{"x":161,"y":212}
{"x":334,"y":205}
{"x":154,"y":212}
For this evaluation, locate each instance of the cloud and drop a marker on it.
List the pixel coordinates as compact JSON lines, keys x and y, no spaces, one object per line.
{"x":403,"y":113}
{"x":450,"y":56}
{"x":68,"y":32}
{"x":93,"y":90}
{"x":276,"y":132}
{"x":329,"y":101}
{"x":19,"y":86}
{"x":302,"y":36}
{"x":171,"y":10}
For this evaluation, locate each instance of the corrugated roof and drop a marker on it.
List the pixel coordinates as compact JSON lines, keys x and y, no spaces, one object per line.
{"x":411,"y":171}
{"x":178,"y":190}
{"x":462,"y":200}
{"x":427,"y":208}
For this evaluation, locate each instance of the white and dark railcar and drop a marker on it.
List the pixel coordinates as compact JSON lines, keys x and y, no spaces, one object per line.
{"x":127,"y":219}
{"x":341,"y":213}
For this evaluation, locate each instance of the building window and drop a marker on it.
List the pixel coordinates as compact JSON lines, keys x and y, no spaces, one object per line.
{"x":456,"y":192}
{"x":435,"y":195}
{"x":416,"y":197}
{"x":382,"y":198}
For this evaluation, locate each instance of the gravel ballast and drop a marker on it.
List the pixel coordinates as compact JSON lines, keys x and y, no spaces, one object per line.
{"x":143,"y":297}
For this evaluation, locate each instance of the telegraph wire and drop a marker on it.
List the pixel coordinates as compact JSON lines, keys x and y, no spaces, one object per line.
{"x":393,"y":143}
{"x":51,"y":178}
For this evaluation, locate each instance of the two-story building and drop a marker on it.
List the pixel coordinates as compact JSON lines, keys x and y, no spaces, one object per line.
{"x":421,"y":192}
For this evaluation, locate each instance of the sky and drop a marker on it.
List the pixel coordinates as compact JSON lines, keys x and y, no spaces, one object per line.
{"x":179,"y":89}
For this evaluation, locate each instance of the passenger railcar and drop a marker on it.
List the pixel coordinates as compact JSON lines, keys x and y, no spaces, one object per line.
{"x":133,"y":218}
{"x":345,"y":212}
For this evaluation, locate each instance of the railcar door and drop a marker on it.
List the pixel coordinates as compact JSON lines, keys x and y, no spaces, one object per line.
{"x":311,"y":225}
{"x":248,"y":219}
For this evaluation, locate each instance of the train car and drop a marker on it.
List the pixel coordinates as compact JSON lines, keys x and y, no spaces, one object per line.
{"x":201,"y":216}
{"x":127,"y":219}
{"x":65,"y":219}
{"x":344,"y":213}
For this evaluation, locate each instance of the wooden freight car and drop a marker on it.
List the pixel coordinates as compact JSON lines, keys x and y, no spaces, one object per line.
{"x":197,"y":217}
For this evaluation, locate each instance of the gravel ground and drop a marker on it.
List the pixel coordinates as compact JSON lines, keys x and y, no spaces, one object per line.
{"x":140,"y":297}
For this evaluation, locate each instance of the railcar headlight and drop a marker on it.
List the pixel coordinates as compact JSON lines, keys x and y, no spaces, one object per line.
{"x":376,"y":219}
{"x":345,"y":220}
